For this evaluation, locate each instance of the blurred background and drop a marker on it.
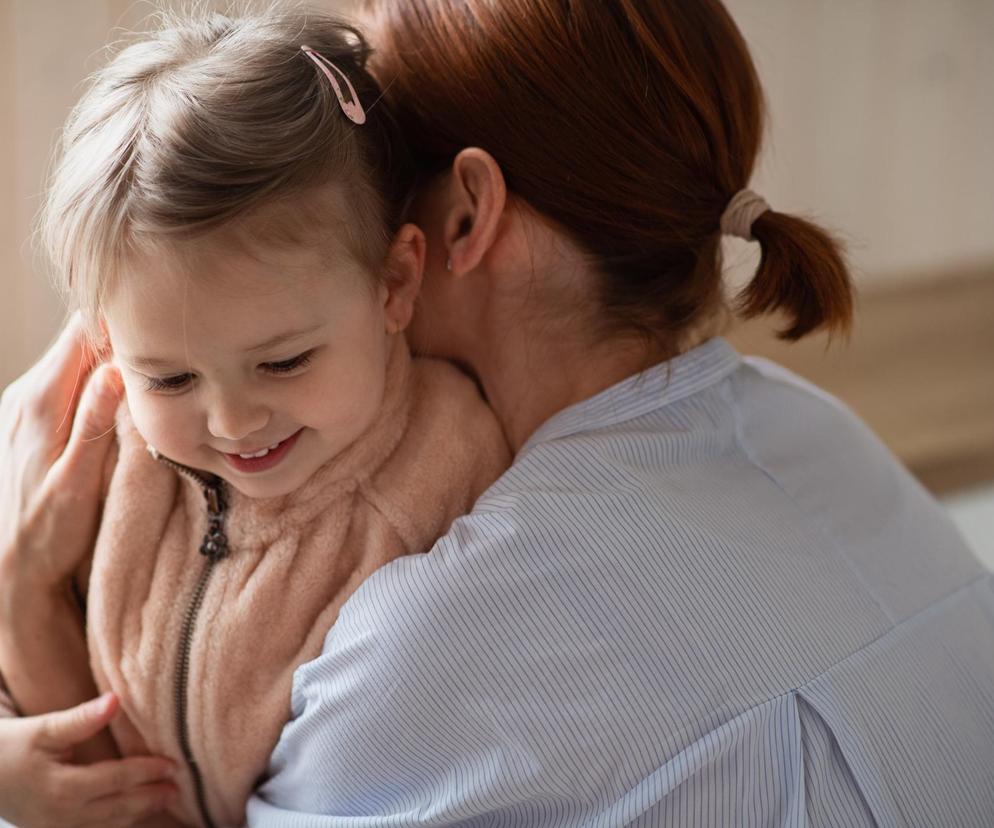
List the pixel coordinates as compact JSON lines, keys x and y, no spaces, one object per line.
{"x":881,"y":128}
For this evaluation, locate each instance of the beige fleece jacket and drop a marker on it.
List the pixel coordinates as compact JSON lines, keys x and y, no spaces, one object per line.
{"x":292,"y":562}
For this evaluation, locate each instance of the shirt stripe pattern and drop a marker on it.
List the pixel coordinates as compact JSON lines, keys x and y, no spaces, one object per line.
{"x":707,"y":596}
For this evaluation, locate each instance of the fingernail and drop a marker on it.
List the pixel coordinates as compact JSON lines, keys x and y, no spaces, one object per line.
{"x":103,"y":703}
{"x":110,"y":380}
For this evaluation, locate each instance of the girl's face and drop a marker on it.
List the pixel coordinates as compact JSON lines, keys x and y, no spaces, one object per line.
{"x":281,"y":355}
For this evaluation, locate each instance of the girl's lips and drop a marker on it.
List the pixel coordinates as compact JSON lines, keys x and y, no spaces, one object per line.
{"x":250,"y":465}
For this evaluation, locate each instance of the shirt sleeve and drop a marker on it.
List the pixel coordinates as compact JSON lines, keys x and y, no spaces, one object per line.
{"x":362,"y":748}
{"x":415,"y":713}
{"x":445,"y":695}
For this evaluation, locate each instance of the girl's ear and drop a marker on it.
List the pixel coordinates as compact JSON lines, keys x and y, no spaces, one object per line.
{"x":478,"y":196}
{"x":405,"y":264}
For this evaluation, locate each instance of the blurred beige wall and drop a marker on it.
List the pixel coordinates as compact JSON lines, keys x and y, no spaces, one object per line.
{"x":882,"y":116}
{"x":881,"y":126}
{"x":44,"y":47}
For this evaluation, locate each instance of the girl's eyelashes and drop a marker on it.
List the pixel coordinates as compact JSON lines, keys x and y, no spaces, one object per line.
{"x":175,"y":383}
{"x":288,"y":365}
{"x":179,"y":382}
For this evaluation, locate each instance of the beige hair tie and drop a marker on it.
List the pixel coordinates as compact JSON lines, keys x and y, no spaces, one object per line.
{"x":744,"y":208}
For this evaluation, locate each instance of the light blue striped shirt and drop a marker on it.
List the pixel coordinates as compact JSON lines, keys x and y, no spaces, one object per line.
{"x":707,"y":596}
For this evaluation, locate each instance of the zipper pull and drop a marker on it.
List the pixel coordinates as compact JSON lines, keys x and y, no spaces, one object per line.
{"x":215,"y":542}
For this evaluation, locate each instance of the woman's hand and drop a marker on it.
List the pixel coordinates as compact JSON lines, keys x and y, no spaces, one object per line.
{"x":56,"y":425}
{"x":41,"y":788}
{"x":56,"y":429}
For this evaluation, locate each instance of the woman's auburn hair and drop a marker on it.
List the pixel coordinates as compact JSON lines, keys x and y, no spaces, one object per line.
{"x":205,"y":121}
{"x":631,"y":124}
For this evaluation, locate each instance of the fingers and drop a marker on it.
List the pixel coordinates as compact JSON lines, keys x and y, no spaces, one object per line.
{"x":85,"y":453}
{"x":118,"y":776}
{"x":58,"y":732}
{"x":125,"y":809}
{"x":111,"y":793}
{"x":95,"y":416}
{"x":67,"y":807}
{"x":119,"y":792}
{"x":65,"y":367}
{"x":50,"y":390}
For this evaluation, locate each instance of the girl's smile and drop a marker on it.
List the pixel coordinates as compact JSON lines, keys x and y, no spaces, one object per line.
{"x":253,"y":462}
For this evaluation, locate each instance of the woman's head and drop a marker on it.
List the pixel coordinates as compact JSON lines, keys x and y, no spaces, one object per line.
{"x":628,"y":124}
{"x":212,"y":197}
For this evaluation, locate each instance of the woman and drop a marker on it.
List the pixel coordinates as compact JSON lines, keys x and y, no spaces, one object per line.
{"x":704,"y":593}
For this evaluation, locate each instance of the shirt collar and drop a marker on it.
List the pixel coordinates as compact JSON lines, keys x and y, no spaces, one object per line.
{"x":641,"y":393}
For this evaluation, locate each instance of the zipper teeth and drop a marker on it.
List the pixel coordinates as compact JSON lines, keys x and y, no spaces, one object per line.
{"x":182,"y":677}
{"x":204,"y":480}
{"x":214,"y":548}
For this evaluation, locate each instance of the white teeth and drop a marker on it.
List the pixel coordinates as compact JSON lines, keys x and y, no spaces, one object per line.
{"x":260,"y":453}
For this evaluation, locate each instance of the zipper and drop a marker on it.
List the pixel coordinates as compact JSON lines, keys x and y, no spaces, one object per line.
{"x":214,"y":548}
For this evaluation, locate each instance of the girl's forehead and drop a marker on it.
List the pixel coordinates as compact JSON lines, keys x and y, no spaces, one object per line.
{"x":228,"y":301}
{"x":232,"y":285}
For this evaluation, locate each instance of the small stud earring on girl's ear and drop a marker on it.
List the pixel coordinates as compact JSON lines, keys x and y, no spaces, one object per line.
{"x":448,"y":263}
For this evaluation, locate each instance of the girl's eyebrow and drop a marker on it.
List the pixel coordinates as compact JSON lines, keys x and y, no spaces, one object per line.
{"x":272,"y":342}
{"x":279,"y":339}
{"x":146,"y":362}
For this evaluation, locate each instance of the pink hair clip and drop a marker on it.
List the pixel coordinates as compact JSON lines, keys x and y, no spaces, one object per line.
{"x":353,"y":109}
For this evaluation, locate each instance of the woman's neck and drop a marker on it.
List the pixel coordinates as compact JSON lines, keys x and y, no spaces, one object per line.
{"x":528,"y":379}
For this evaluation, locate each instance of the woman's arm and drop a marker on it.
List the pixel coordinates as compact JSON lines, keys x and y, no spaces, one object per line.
{"x":52,"y":459}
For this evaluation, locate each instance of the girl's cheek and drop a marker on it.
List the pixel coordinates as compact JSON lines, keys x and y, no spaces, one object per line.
{"x":159,"y":421}
{"x":143,"y":416}
{"x":359,"y":385}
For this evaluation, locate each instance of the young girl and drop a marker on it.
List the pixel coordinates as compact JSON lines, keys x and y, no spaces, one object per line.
{"x":228,"y":213}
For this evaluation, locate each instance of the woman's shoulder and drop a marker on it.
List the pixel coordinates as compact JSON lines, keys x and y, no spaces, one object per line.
{"x":752,"y":472}
{"x":848,"y":488}
{"x":809,"y":442}
{"x":760,"y":462}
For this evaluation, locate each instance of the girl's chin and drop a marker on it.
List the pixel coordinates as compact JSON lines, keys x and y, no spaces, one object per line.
{"x":265,"y":486}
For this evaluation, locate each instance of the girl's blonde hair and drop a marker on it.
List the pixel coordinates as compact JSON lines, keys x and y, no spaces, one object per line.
{"x":207,"y":119}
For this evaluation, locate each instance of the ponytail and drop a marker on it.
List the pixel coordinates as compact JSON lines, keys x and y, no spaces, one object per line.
{"x":802,"y":273}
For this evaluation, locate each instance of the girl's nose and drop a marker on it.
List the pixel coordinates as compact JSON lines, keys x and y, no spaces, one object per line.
{"x":232,"y":417}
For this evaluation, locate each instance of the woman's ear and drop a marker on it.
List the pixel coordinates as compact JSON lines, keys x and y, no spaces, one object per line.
{"x":478,"y":196}
{"x":405,"y":264}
